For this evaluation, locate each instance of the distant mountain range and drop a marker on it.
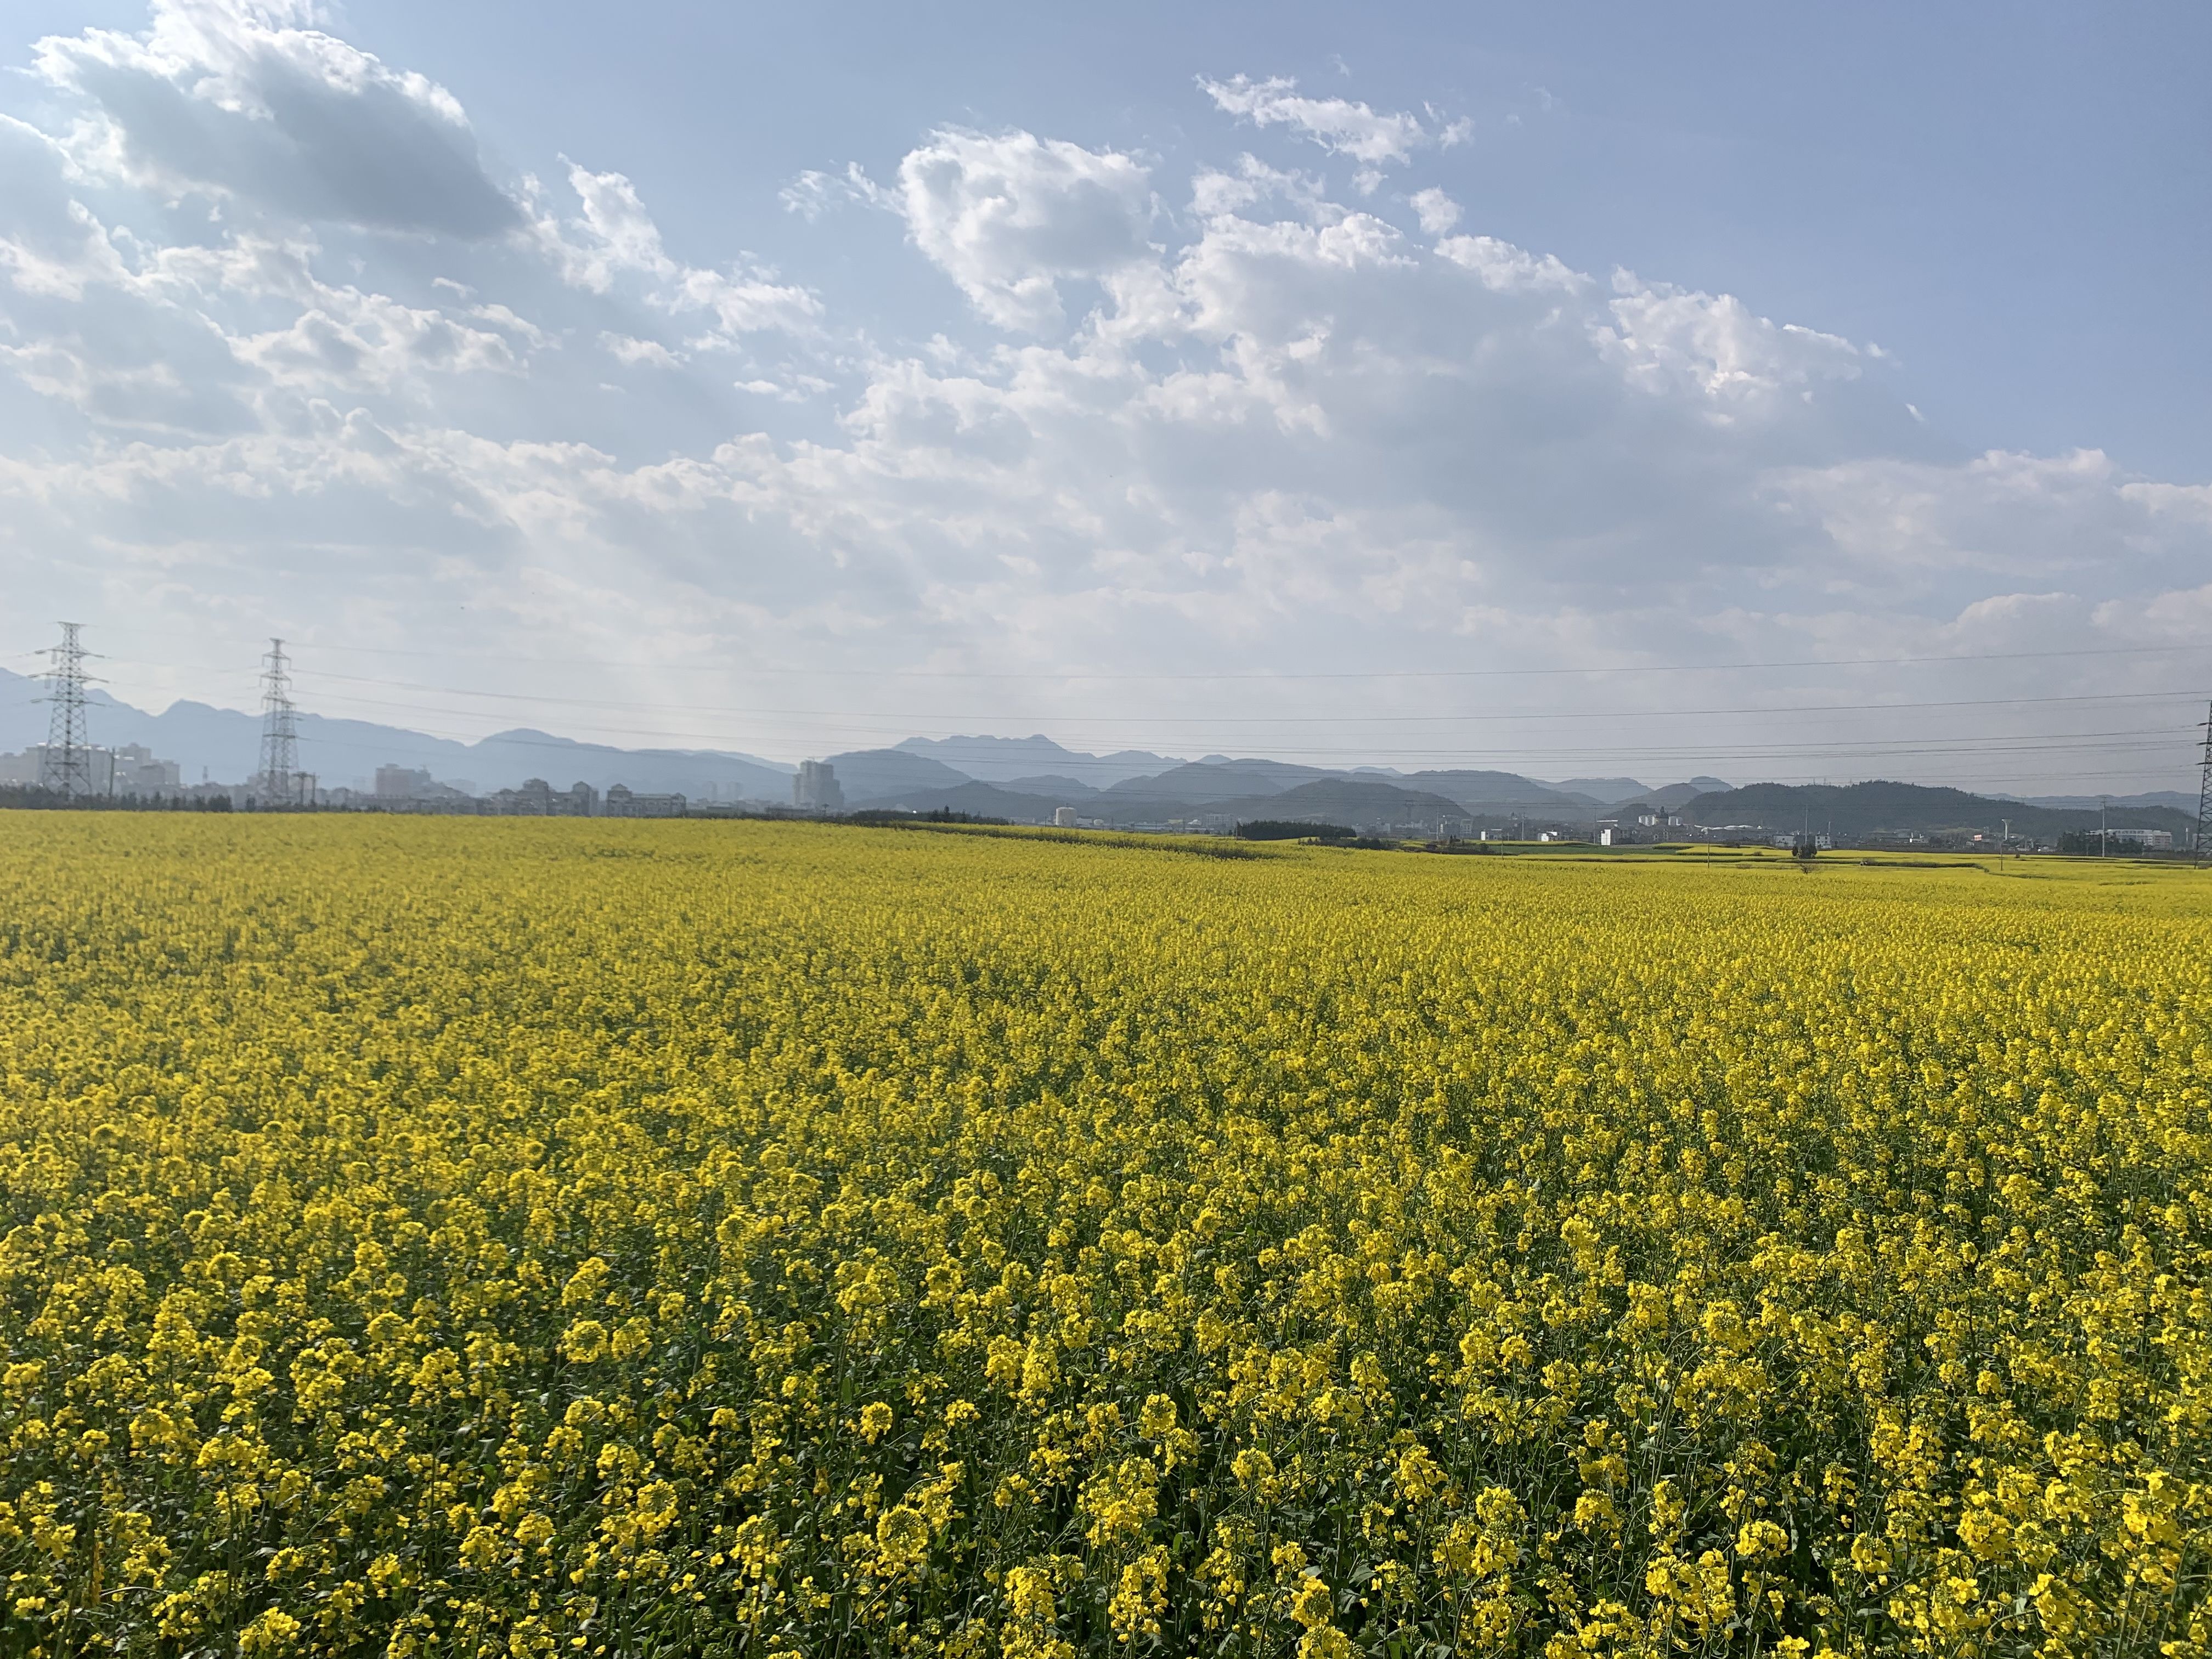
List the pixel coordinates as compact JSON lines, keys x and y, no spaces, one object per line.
{"x":1866,"y":809}
{"x":1004,"y":760}
{"x":1016,"y":777}
{"x":1027,"y":779}
{"x":224,"y":744}
{"x":2173,"y":799}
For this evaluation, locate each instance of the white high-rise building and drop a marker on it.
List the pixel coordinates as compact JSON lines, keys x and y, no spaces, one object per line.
{"x":815,"y":788}
{"x":130,"y":770}
{"x":138,"y":771}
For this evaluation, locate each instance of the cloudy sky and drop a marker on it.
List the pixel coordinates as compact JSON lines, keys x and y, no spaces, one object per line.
{"x":1738,"y":390}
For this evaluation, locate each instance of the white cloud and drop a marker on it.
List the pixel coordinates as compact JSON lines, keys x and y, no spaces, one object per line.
{"x":617,"y":237}
{"x":796,"y":389}
{"x":50,"y":244}
{"x":501,"y":316}
{"x":1277,"y":431}
{"x":630,"y":352}
{"x":1338,"y":124}
{"x":1254,"y":182}
{"x":1010,"y":217}
{"x":616,"y":233}
{"x":350,"y":340}
{"x":1503,"y":268}
{"x":141,"y":395}
{"x":244,"y":102}
{"x":1438,"y":212}
{"x":1664,"y":336}
{"x":812,"y":194}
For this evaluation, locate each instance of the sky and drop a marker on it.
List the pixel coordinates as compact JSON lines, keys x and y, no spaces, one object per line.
{"x":1784,"y":393}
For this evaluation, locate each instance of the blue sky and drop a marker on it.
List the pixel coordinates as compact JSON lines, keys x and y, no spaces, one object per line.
{"x":787,"y":379}
{"x":2014,"y":199}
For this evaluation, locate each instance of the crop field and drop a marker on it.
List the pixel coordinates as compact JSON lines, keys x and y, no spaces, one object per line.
{"x":476,"y":1237}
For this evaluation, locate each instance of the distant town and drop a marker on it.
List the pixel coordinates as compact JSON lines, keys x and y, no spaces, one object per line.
{"x":1218,"y":796}
{"x":100,"y":753}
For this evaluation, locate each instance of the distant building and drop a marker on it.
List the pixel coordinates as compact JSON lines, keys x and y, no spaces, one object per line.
{"x":411,"y":783}
{"x":412,"y":788}
{"x":2151,"y":841}
{"x":814,"y":787}
{"x":1064,"y":817}
{"x":620,"y":803}
{"x":137,"y":772}
{"x":538,"y":798}
{"x":401,"y":782}
{"x":131,"y":769}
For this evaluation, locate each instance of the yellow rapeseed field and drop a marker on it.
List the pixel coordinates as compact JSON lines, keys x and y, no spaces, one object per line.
{"x":621,"y":1239}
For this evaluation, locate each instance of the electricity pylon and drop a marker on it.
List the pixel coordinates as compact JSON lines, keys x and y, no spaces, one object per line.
{"x":2204,"y":788}
{"x":65,"y":767}
{"x":280,"y":739}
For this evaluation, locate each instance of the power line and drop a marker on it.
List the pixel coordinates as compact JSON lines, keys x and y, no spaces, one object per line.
{"x":864,"y":735}
{"x":756,"y":669}
{"x":1608,"y":715}
{"x":280,"y":720}
{"x":2158,"y":739}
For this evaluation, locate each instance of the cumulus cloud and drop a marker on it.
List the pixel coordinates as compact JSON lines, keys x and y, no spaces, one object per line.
{"x":631,"y":351}
{"x":1216,"y":191}
{"x":1438,"y":212}
{"x":243,"y":101}
{"x":350,"y":340}
{"x":1667,"y":336}
{"x":119,"y":392}
{"x":1010,"y":217}
{"x":617,"y":237}
{"x":1501,"y":267}
{"x":1275,"y":430}
{"x":1337,"y":124}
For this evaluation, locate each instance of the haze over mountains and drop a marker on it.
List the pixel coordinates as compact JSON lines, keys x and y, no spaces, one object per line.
{"x":224,"y":745}
{"x":1027,"y":779}
{"x":1016,"y":777}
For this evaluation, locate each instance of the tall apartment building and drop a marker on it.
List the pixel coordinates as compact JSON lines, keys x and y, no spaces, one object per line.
{"x":129,"y":769}
{"x":815,"y":788}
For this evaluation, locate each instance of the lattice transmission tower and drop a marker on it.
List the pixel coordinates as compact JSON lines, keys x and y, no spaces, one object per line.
{"x":280,"y":737}
{"x":65,"y":767}
{"x":2204,"y":789}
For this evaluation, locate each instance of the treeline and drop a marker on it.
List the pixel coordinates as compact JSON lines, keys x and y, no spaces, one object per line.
{"x":1293,"y":829}
{"x":36,"y":797}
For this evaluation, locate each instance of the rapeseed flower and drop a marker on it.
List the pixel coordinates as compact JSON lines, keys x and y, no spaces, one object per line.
{"x":592,"y":1238}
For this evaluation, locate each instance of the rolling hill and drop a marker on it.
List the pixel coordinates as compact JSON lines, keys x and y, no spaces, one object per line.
{"x":867,"y":774}
{"x":1867,"y":809}
{"x":983,"y":799}
{"x":1004,"y":760}
{"x":224,"y":744}
{"x":1363,"y":803}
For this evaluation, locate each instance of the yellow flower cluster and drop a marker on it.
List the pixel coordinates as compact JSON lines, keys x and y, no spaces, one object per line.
{"x":469,"y":1238}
